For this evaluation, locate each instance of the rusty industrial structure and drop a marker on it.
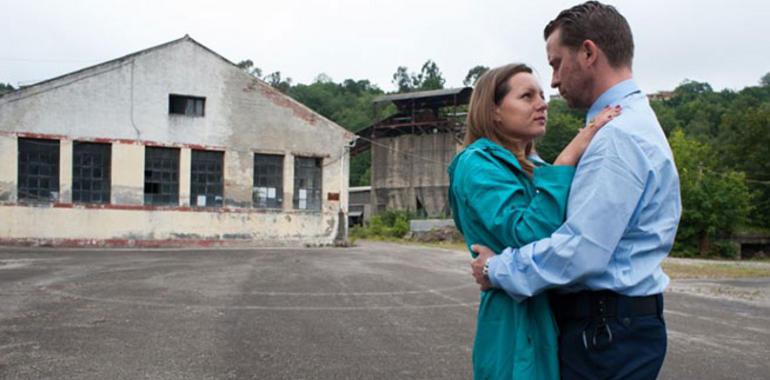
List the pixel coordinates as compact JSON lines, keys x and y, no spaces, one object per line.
{"x":412,"y":147}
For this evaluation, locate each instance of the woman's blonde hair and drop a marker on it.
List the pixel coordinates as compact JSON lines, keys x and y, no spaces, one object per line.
{"x":488,"y":93}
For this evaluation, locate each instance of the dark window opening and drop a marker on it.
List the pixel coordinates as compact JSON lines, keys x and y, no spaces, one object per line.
{"x":186,"y":105}
{"x":161,"y":176}
{"x":207,"y":179}
{"x":307,"y":183}
{"x":38,"y":165}
{"x":420,"y":209}
{"x":91,"y":172}
{"x":268,"y":181}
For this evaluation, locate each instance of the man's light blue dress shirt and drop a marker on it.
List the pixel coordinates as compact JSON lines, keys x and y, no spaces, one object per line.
{"x":622,"y":214}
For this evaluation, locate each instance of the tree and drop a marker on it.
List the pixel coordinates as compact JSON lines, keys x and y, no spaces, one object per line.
{"x":666,"y":116}
{"x":274,"y":79}
{"x":690,"y":89}
{"x":403,"y":80}
{"x":765,"y":80}
{"x":323,"y":78}
{"x":245,"y":64}
{"x":715,"y":200}
{"x":248,"y":66}
{"x":745,"y":145}
{"x":474,"y":74}
{"x":430,"y":77}
{"x":563,"y":125}
{"x":5,"y":88}
{"x":361,"y":169}
{"x":358,"y":87}
{"x":735,"y":126}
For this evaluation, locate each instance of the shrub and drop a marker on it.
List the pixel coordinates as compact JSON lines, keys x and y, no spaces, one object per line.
{"x":386,"y":224}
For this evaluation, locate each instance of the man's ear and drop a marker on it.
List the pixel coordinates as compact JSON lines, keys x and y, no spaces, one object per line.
{"x":589,"y":53}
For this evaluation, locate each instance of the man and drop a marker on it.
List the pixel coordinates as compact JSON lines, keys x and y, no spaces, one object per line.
{"x":622,"y":214}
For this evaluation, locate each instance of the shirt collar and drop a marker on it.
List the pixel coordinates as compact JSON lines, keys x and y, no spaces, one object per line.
{"x":612,"y":95}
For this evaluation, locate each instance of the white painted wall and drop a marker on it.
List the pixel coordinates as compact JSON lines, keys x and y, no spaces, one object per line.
{"x":126,"y":102}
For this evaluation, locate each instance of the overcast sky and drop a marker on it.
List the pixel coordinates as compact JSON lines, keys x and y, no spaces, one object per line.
{"x":724,"y":43}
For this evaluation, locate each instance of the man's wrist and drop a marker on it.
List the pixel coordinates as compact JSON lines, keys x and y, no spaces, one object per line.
{"x":489,"y":271}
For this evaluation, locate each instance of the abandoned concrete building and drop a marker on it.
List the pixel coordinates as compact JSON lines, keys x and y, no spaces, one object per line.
{"x":172,"y":145}
{"x":412,"y":149}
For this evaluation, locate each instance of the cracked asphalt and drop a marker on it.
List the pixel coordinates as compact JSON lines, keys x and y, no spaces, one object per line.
{"x":376,"y":311}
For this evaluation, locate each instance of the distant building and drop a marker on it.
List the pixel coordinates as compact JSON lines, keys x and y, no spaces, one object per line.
{"x":412,"y":149}
{"x":172,"y":145}
{"x":359,"y":205}
{"x":555,"y":97}
{"x":661,"y":95}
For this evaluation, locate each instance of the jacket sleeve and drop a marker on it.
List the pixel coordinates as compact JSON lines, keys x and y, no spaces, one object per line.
{"x":499,"y":201}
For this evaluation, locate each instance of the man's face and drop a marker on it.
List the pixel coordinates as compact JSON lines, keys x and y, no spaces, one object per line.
{"x":569,"y":77}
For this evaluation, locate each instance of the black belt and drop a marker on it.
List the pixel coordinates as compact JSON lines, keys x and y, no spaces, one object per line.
{"x":603,"y":303}
{"x":598,"y":307}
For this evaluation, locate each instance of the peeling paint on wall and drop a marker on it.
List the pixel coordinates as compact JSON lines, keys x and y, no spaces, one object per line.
{"x":239,"y":168}
{"x":127,"y":195}
{"x":282,"y":100}
{"x":330,"y":224}
{"x":252,"y":85}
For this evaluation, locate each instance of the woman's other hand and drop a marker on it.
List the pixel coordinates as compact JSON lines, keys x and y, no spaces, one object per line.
{"x":574,"y":150}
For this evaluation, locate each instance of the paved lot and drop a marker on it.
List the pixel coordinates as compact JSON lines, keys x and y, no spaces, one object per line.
{"x":378,"y":311}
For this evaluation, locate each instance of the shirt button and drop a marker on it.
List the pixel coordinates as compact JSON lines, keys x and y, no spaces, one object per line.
{"x":626,"y":322}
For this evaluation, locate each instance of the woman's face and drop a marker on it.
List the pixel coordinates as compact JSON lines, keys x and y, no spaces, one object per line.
{"x":522,"y":113}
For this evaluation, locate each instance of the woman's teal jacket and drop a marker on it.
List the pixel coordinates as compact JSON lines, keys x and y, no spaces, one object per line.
{"x":496,"y":203}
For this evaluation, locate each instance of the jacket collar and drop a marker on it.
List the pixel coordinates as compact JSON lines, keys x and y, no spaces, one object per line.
{"x":496,"y":151}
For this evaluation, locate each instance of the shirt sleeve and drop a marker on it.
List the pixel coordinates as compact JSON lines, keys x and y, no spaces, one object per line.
{"x":604,"y":197}
{"x":501,"y":204}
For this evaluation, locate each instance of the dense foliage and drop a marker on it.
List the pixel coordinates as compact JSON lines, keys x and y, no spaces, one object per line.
{"x":714,"y":200}
{"x":721,"y":145}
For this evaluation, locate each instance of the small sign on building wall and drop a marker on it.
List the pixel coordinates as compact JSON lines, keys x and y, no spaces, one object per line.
{"x":302,"y":199}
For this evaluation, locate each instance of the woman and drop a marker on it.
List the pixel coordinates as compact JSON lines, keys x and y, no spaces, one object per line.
{"x":502,"y":196}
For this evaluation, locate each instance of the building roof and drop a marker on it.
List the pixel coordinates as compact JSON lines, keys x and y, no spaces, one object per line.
{"x":31,"y":90}
{"x":407,"y":103}
{"x":118,"y":60}
{"x":428,"y":99}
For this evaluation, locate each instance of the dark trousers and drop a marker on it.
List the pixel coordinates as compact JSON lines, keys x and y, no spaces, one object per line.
{"x":603,"y":335}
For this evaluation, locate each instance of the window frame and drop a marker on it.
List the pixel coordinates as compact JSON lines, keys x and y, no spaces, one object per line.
{"x":167,"y":165}
{"x":212,"y":190}
{"x":268,"y":175}
{"x":304,"y":165}
{"x":79,"y":193}
{"x":39,"y":172}
{"x":174,"y":110}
